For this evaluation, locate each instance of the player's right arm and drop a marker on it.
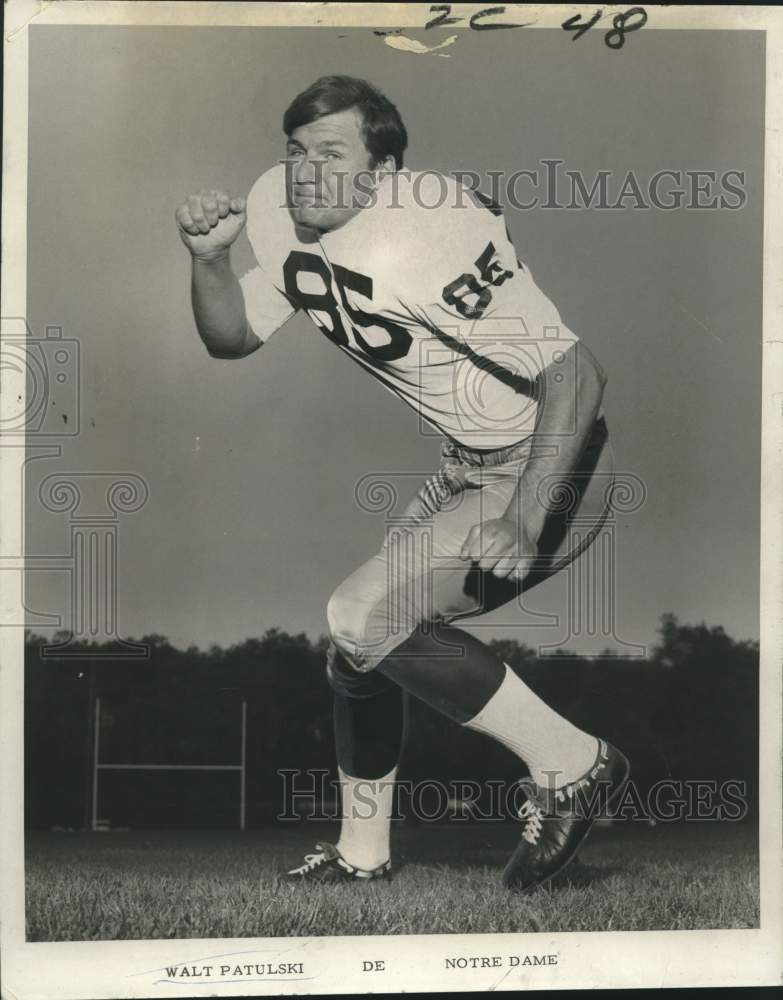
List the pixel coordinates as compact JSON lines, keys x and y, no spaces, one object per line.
{"x":209,"y":222}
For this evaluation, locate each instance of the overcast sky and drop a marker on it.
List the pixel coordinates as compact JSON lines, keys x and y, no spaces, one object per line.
{"x":251,"y":465}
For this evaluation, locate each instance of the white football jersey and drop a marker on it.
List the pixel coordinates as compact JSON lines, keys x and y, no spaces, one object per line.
{"x":423,"y":288}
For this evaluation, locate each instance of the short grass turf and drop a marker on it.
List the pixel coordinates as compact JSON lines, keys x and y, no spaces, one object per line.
{"x":225,"y":884}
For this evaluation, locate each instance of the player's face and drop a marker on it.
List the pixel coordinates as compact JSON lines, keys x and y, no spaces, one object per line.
{"x":328,"y":174}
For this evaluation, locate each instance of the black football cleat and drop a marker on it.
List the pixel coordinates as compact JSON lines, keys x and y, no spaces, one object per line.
{"x":556,"y":821}
{"x":328,"y":865}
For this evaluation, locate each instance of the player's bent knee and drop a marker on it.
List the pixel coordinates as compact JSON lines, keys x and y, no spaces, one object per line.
{"x":363,"y":630}
{"x":344,"y":679}
{"x":348,"y":624}
{"x":344,"y":617}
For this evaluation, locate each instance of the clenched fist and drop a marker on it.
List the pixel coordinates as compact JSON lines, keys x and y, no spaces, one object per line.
{"x":209,"y":222}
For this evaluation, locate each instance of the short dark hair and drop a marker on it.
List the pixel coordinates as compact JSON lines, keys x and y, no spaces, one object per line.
{"x":382,"y":129}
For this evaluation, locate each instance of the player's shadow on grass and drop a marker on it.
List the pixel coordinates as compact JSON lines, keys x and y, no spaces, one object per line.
{"x":582,"y":876}
{"x":576,"y":875}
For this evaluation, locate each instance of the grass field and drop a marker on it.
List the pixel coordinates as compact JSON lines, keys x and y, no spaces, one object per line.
{"x":208,"y":884}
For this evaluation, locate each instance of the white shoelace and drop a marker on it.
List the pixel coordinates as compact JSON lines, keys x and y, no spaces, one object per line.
{"x":311,"y":861}
{"x":533,"y":817}
{"x":327,"y":853}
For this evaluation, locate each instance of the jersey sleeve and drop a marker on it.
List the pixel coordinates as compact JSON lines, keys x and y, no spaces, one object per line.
{"x":268,"y":225}
{"x":490,"y":296}
{"x":266,"y":307}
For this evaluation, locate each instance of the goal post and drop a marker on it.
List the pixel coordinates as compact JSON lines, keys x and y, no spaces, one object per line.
{"x":98,"y":766}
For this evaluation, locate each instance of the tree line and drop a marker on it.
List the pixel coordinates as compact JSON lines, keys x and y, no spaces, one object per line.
{"x":689,"y":711}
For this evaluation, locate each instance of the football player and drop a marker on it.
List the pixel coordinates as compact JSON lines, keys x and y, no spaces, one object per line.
{"x":414,"y":276}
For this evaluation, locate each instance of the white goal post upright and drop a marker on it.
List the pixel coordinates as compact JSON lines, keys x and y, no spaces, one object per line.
{"x":240,"y":767}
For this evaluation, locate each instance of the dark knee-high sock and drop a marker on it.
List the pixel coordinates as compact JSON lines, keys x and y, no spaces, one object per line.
{"x":369,"y":735}
{"x":450,"y":669}
{"x":369,"y":732}
{"x":460,"y":677}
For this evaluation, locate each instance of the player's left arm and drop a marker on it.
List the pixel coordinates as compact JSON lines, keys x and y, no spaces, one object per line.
{"x":569,"y":400}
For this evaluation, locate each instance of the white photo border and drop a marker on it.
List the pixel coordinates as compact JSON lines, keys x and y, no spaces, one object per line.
{"x":333,"y":965}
